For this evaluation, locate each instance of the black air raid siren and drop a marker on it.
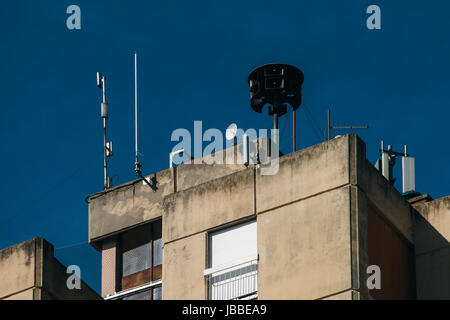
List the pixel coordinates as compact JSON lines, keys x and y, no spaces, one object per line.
{"x":275,"y":85}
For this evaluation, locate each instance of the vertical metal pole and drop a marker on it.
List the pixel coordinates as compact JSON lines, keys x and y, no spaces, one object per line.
{"x":105,"y":163}
{"x":135,"y":107}
{"x":104,"y":89}
{"x":105,"y":160}
{"x":329,"y":126}
{"x":245,"y":150}
{"x":293,"y":132}
{"x":275,"y":135}
{"x":275,"y":121}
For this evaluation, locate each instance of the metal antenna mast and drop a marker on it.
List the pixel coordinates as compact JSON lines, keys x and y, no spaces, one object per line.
{"x":330,"y":127}
{"x":137,"y":164}
{"x":107,"y":146}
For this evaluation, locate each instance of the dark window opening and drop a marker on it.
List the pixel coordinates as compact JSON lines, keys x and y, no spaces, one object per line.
{"x":151,"y":294}
{"x":141,"y":260}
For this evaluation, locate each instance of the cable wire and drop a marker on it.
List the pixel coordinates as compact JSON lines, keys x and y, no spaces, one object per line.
{"x":46,"y":193}
{"x":72,"y":245}
{"x":317,"y":129}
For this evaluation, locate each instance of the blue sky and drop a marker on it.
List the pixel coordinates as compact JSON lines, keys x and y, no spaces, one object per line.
{"x":195,"y":57}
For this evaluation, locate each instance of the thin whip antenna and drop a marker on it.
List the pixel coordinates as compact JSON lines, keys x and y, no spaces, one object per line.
{"x":136,"y":107}
{"x":137,"y":165}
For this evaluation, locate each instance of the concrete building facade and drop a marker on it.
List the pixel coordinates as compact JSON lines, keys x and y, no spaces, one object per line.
{"x":308,"y":232}
{"x":29,"y":271}
{"x":432,"y":236}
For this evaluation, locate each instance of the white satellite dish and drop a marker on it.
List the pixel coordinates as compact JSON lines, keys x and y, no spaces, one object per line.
{"x":231,"y":131}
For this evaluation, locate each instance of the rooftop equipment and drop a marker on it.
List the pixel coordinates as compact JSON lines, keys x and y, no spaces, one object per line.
{"x":137,"y":165}
{"x":107,"y":146}
{"x":330,"y":127}
{"x":276,"y":85}
{"x":408,"y":173}
{"x":386,"y":164}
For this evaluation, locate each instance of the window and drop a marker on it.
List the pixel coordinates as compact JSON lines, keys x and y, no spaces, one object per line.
{"x":154,"y":292}
{"x":233,"y":263}
{"x":136,"y":259}
{"x":141,"y":261}
{"x":144,"y":295}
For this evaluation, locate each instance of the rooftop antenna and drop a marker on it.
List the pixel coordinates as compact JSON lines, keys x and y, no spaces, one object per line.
{"x":107,"y":146}
{"x":231,"y":132}
{"x":137,"y":164}
{"x":330,"y":127}
{"x":408,"y":173}
{"x":387,"y":163}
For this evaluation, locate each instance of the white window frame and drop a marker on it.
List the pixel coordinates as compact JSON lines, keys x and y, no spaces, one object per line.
{"x":218,"y":270}
{"x":228,"y":267}
{"x":135,"y":290}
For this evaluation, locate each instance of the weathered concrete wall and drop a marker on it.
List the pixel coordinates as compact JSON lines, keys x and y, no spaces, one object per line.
{"x":188,"y":214}
{"x":29,"y":270}
{"x":208,"y":205}
{"x":183,"y":265}
{"x":53,"y":278}
{"x":293,"y":207}
{"x":437,"y":213}
{"x":24,"y":295}
{"x":133,"y":203}
{"x":109,"y":260}
{"x":305,"y":248}
{"x":304,"y":173}
{"x":432,"y":239}
{"x":359,"y":243}
{"x":394,"y":255}
{"x":347,"y":295}
{"x":312,"y":220}
{"x":318,"y":187}
{"x":190,"y":174}
{"x":17,"y":270}
{"x":127,"y":205}
{"x":387,"y":200}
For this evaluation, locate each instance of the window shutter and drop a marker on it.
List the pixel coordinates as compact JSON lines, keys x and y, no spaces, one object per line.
{"x":233,"y":244}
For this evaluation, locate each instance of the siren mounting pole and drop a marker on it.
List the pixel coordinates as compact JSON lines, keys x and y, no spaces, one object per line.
{"x":294,"y":147}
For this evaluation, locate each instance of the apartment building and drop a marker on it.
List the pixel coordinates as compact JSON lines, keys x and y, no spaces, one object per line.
{"x":211,"y":231}
{"x":30,"y":271}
